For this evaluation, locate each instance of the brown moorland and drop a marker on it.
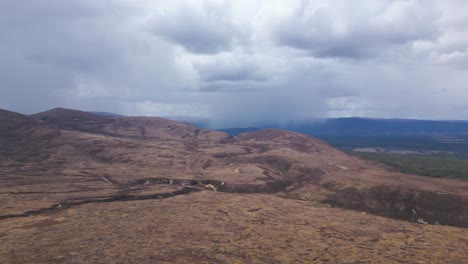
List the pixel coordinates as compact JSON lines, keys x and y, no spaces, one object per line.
{"x":81,"y":188}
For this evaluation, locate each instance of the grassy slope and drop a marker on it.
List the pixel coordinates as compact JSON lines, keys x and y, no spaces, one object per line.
{"x":433,"y":165}
{"x":457,"y":144}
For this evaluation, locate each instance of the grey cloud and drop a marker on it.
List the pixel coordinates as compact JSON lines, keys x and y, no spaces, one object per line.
{"x":455,"y":58}
{"x":59,"y":34}
{"x":300,"y":93}
{"x":204,"y":31}
{"x":328,"y":33}
{"x":233,"y":70}
{"x":230,"y":87}
{"x":233,"y":75}
{"x":80,"y":54}
{"x":330,"y":58}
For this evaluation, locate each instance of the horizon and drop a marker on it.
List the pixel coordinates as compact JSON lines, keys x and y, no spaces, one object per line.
{"x":207,"y":119}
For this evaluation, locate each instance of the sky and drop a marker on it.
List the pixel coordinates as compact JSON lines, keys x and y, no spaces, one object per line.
{"x":237,"y":62}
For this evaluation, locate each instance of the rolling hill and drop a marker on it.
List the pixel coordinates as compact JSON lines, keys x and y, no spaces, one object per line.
{"x":91,"y":188}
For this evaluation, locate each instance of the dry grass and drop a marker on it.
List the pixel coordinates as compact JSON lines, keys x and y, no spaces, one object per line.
{"x":211,"y":227}
{"x":83,"y":169}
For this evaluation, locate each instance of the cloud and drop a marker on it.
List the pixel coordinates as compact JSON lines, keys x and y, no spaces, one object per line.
{"x":85,"y":54}
{"x":357,"y":29}
{"x":237,"y":62}
{"x":232,"y":73}
{"x":458,"y":58}
{"x":205,"y":30}
{"x":298,"y":93}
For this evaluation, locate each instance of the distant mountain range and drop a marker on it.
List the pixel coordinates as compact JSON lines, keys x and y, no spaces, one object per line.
{"x":366,"y":126}
{"x":351,"y":126}
{"x":363,"y":127}
{"x":104,"y":114}
{"x":354,"y":132}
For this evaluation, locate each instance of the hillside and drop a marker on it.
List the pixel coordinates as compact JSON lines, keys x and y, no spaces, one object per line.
{"x":398,"y":135}
{"x":148,"y":189}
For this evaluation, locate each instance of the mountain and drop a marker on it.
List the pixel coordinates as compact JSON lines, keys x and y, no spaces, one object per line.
{"x":149,"y":189}
{"x":365,"y":127}
{"x":73,"y":119}
{"x":238,"y":131}
{"x":121,"y":126}
{"x":390,"y":134}
{"x":104,"y":114}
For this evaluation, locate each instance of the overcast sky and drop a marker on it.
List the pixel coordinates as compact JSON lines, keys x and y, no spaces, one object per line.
{"x":238,"y":62}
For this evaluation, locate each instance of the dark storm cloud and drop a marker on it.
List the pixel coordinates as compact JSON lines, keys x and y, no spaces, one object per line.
{"x":205,"y":31}
{"x":78,"y":54}
{"x":299,"y":93}
{"x":29,"y":80}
